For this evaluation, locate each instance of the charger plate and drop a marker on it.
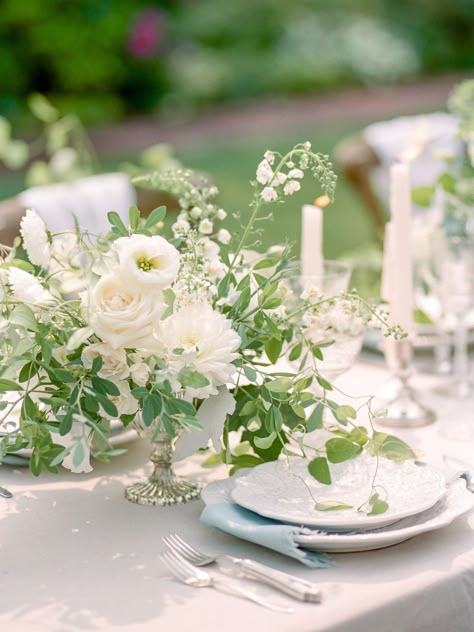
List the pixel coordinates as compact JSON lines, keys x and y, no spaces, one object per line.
{"x":285,"y":491}
{"x":456,"y":502}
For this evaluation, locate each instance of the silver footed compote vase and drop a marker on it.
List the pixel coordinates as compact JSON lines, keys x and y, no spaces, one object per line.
{"x":163,"y":487}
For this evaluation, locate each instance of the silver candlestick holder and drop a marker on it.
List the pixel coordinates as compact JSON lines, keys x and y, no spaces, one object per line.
{"x":397,"y":402}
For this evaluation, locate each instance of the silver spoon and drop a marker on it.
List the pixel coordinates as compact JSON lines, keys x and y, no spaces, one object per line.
{"x":4,"y":493}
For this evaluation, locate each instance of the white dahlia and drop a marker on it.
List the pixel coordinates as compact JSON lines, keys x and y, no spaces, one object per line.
{"x":208,"y":345}
{"x":35,"y":239}
{"x":150,"y":262}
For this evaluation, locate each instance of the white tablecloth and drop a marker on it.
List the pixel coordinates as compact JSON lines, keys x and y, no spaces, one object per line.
{"x":76,"y":556}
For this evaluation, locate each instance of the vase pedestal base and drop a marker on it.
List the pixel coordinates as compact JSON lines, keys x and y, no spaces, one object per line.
{"x":162,"y":493}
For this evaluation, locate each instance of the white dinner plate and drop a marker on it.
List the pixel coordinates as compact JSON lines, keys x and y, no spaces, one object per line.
{"x":285,"y":491}
{"x":456,"y":502}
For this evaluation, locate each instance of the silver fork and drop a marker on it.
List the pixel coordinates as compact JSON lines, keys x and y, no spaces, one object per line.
{"x":288,"y":584}
{"x":192,"y":576}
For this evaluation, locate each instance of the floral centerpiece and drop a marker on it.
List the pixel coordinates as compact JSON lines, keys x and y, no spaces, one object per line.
{"x":181,"y":336}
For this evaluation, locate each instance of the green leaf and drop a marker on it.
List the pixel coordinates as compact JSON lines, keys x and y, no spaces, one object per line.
{"x":23,"y":316}
{"x":9,"y":385}
{"x":315,"y":420}
{"x":323,"y":383}
{"x":109,"y":407}
{"x":116,"y":221}
{"x":343,"y":413}
{"x":319,"y":469}
{"x":246,"y":460}
{"x":279,"y":385}
{"x":390,"y":447}
{"x":271,"y":303}
{"x":296,"y":352}
{"x":188,"y":377}
{"x":268,"y":262}
{"x":46,"y":351}
{"x":265,"y":442}
{"x":331,"y":505}
{"x":272,"y":328}
{"x":448,"y":182}
{"x":148,"y":413}
{"x":316,"y":351}
{"x":378,"y":506}
{"x":298,"y":410}
{"x":105,"y":387}
{"x":339,"y":450}
{"x":421,"y":318}
{"x":273,"y":349}
{"x":249,"y":408}
{"x":156,"y":216}
{"x":250,"y":373}
{"x":134,"y":217}
{"x":422,"y":196}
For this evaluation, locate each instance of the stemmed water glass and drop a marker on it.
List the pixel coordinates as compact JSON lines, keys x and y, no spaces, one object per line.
{"x":456,"y":265}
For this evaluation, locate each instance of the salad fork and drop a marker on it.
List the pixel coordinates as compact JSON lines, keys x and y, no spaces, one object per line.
{"x":288,"y":584}
{"x":192,"y":576}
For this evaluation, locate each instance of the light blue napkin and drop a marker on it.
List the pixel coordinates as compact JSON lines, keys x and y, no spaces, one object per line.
{"x":221,"y":512}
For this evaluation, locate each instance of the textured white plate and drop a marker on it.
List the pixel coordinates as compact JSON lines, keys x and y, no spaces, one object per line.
{"x":285,"y":491}
{"x":454,"y":503}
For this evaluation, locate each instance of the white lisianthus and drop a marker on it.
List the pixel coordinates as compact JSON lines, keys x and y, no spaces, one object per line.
{"x":77,"y":442}
{"x":269,"y":194}
{"x":28,"y":289}
{"x":208,"y":342}
{"x":150,"y":262}
{"x":269,"y":157}
{"x":35,"y":239}
{"x":205,"y":227}
{"x":212,"y":415}
{"x":125,"y":403}
{"x":221,"y":214}
{"x":291,"y":187}
{"x":224,"y":236}
{"x":195,"y":212}
{"x":214,"y":268}
{"x":295,"y":173}
{"x":264,"y":172}
{"x":210,"y":248}
{"x":114,"y":361}
{"x":124,"y":315}
{"x":140,"y":373}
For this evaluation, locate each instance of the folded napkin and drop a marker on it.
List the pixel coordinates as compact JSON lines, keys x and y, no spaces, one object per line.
{"x":222,"y":513}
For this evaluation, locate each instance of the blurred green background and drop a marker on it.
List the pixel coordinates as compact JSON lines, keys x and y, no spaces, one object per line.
{"x":109,"y":60}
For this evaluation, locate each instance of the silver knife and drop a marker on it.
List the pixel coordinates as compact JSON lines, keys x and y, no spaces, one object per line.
{"x":460,"y":469}
{"x":289,"y":584}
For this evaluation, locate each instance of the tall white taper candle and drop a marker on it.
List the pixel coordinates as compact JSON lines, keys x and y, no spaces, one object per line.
{"x":401,"y":267}
{"x":312,"y":241}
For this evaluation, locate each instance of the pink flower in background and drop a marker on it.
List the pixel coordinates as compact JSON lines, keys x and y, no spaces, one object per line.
{"x":147,"y":35}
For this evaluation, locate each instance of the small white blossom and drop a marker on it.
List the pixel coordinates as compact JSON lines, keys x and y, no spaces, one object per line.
{"x":224,"y":236}
{"x":181,"y":227}
{"x":307,"y":145}
{"x":195,"y":212}
{"x":269,"y":157}
{"x":214,"y":268}
{"x":205,"y":227}
{"x":264,"y":172}
{"x":290,"y":164}
{"x":35,"y":239}
{"x":221,"y":214}
{"x":269,"y":194}
{"x":27,"y":288}
{"x":280,"y":177}
{"x":291,"y":187}
{"x":295,"y":173}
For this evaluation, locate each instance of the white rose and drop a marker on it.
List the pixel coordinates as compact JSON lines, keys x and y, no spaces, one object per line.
{"x":114,"y":361}
{"x":147,"y":261}
{"x":125,"y":403}
{"x":140,"y":372}
{"x":125,"y":316}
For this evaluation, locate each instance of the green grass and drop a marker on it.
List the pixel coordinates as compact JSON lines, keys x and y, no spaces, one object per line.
{"x":232,"y":163}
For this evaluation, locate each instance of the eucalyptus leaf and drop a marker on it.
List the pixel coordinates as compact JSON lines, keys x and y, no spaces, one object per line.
{"x":378,"y":506}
